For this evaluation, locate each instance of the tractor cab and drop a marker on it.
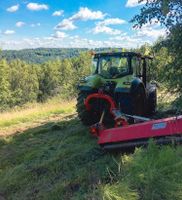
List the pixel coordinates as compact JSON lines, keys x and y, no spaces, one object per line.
{"x":117,"y":65}
{"x":112,"y":65}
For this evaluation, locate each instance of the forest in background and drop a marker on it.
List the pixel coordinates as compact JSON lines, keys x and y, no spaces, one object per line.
{"x":41,"y":55}
{"x":22,"y":81}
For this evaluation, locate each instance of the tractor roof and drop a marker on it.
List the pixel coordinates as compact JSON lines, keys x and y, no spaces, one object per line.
{"x":117,"y":54}
{"x":125,"y":54}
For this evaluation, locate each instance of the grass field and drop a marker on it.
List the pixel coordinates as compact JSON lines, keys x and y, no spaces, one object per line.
{"x":46,"y":153}
{"x":33,"y":115}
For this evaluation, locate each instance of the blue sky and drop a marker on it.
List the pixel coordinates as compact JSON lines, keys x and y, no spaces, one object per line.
{"x":72,"y":23}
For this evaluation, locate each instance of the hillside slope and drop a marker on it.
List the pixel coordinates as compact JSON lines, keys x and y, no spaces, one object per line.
{"x":61,"y":160}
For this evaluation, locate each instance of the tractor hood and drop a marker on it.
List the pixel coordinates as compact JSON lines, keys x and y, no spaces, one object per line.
{"x":91,"y":82}
{"x":96,"y":81}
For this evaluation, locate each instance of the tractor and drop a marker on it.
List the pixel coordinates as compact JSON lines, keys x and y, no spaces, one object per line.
{"x":123,"y":76}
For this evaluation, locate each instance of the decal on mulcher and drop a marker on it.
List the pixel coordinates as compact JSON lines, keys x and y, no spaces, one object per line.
{"x":158,"y":126}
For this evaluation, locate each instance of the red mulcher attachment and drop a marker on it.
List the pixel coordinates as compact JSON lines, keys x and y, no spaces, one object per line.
{"x":163,"y":131}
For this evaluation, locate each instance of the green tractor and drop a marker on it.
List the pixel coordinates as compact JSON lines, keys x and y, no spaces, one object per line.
{"x":126,"y":77}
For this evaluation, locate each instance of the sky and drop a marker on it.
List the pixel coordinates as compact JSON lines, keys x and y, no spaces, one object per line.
{"x":73,"y":24}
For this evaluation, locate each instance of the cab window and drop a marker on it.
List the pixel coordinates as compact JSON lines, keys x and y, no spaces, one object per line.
{"x":112,"y":66}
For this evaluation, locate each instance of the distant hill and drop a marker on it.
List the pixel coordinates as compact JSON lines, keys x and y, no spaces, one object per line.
{"x":41,"y":55}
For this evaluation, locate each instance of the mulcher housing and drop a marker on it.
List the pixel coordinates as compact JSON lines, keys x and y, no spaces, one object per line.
{"x":162,"y":131}
{"x":125,"y":135}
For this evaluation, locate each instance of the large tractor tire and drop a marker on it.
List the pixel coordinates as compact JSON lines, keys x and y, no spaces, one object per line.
{"x":97,"y":107}
{"x":87,"y":117}
{"x":152,"y":102}
{"x":139,"y":102}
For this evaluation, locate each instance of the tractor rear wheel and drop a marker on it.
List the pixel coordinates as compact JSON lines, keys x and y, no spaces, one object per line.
{"x":87,"y":117}
{"x":152,"y":102}
{"x":139,"y":102}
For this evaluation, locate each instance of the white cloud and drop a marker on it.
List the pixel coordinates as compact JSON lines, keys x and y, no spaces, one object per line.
{"x":105,"y":29}
{"x":13,"y":8}
{"x":85,"y":14}
{"x":118,"y":37}
{"x":9,"y":32}
{"x":127,"y":41}
{"x":103,"y":26}
{"x":154,"y":23}
{"x":34,"y":25}
{"x":126,"y":38}
{"x":66,"y":24}
{"x":20,"y":24}
{"x":60,"y":35}
{"x":64,"y":41}
{"x":151,"y":32}
{"x":58,"y":13}
{"x":112,"y":21}
{"x":37,"y":7}
{"x":138,"y":37}
{"x":67,"y":42}
{"x":134,"y":3}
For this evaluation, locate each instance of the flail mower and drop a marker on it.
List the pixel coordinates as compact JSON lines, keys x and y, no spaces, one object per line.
{"x":118,"y":98}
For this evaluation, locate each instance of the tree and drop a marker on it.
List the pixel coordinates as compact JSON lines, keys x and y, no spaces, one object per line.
{"x":5,"y":92}
{"x":169,"y":14}
{"x":48,"y":76}
{"x":23,"y":82}
{"x":81,"y":66}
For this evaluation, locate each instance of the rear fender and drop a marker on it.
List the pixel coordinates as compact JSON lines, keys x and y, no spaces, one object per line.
{"x":124,"y":84}
{"x":135,"y":85}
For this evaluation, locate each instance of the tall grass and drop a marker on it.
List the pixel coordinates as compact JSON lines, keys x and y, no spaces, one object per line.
{"x":35,"y":111}
{"x":154,"y":173}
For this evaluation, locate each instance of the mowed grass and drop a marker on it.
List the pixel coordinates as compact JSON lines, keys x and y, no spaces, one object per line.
{"x":54,"y":161}
{"x":60,"y":160}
